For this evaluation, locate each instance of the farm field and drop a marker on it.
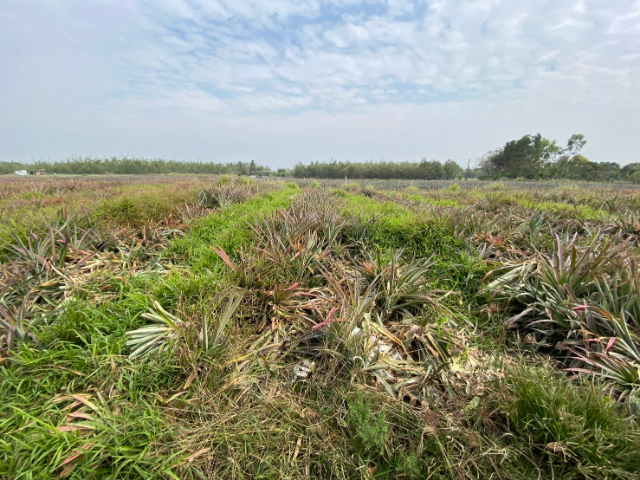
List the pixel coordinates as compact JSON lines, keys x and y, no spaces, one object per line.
{"x":227,"y":327}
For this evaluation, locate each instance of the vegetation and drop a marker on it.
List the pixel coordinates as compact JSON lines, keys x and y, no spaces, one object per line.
{"x":226,"y":328}
{"x":132,"y":166}
{"x":531,"y":157}
{"x":429,"y":170}
{"x":535,"y":157}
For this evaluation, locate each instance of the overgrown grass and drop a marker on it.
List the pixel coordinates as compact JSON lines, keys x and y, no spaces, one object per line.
{"x":576,"y":431}
{"x":287,"y":332}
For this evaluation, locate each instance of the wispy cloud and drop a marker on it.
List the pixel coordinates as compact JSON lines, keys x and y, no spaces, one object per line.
{"x":83,"y":77}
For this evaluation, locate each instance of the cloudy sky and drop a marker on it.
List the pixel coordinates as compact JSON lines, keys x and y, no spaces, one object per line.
{"x":286,"y":81}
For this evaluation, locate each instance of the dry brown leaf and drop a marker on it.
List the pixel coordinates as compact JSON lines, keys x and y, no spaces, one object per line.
{"x":75,"y":426}
{"x":473,"y":440}
{"x":86,"y":416}
{"x":297,"y":450}
{"x":84,"y":398}
{"x":71,"y":459}
{"x":432,"y":419}
{"x":191,"y":378}
{"x":200,"y":452}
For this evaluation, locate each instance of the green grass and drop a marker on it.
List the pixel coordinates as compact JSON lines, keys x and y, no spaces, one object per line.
{"x":226,"y":228}
{"x":576,"y":430}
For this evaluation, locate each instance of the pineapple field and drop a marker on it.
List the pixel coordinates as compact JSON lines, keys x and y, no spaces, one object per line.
{"x":194,"y":327}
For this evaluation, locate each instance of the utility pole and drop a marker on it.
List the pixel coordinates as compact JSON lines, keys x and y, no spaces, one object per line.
{"x":468,"y":167}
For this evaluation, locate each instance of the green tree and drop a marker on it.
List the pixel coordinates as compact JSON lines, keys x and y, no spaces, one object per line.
{"x":575,"y":144}
{"x":127,"y":166}
{"x":534,"y":156}
{"x":564,"y":164}
{"x":452,"y":170}
{"x":629,"y":169}
{"x":430,"y":170}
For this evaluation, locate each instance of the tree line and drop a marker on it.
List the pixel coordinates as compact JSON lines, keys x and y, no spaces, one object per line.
{"x":532,"y":157}
{"x":429,"y":170}
{"x":535,"y":157}
{"x":133,"y":166}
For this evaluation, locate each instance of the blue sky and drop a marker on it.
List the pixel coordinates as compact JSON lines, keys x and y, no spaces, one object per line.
{"x":281,"y":82}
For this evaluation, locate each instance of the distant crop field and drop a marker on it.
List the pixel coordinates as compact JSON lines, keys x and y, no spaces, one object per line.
{"x":471,"y":184}
{"x":231,"y":327}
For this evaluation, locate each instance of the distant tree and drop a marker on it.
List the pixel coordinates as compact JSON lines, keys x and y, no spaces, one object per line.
{"x":564,"y":163}
{"x":452,"y":170}
{"x":425,"y":169}
{"x":575,"y":166}
{"x":127,"y":166}
{"x":580,"y":167}
{"x":608,"y":171}
{"x":575,"y":144}
{"x":431,"y":170}
{"x":524,"y":158}
{"x":534,"y":156}
{"x":488,"y":167}
{"x":630,"y":171}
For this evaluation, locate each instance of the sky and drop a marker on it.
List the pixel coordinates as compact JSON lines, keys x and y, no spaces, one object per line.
{"x":280,"y":82}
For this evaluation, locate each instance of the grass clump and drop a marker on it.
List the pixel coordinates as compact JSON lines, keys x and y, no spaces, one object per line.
{"x":351,"y":187}
{"x":144,"y":207}
{"x":370,"y":430}
{"x":224,"y":180}
{"x":412,"y":190}
{"x":221,"y":196}
{"x":244,"y":180}
{"x":576,"y":430}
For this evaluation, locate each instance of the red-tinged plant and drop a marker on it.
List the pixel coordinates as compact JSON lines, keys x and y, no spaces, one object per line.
{"x":244,"y":269}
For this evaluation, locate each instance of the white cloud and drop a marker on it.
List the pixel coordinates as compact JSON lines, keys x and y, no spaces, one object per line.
{"x":341,"y":78}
